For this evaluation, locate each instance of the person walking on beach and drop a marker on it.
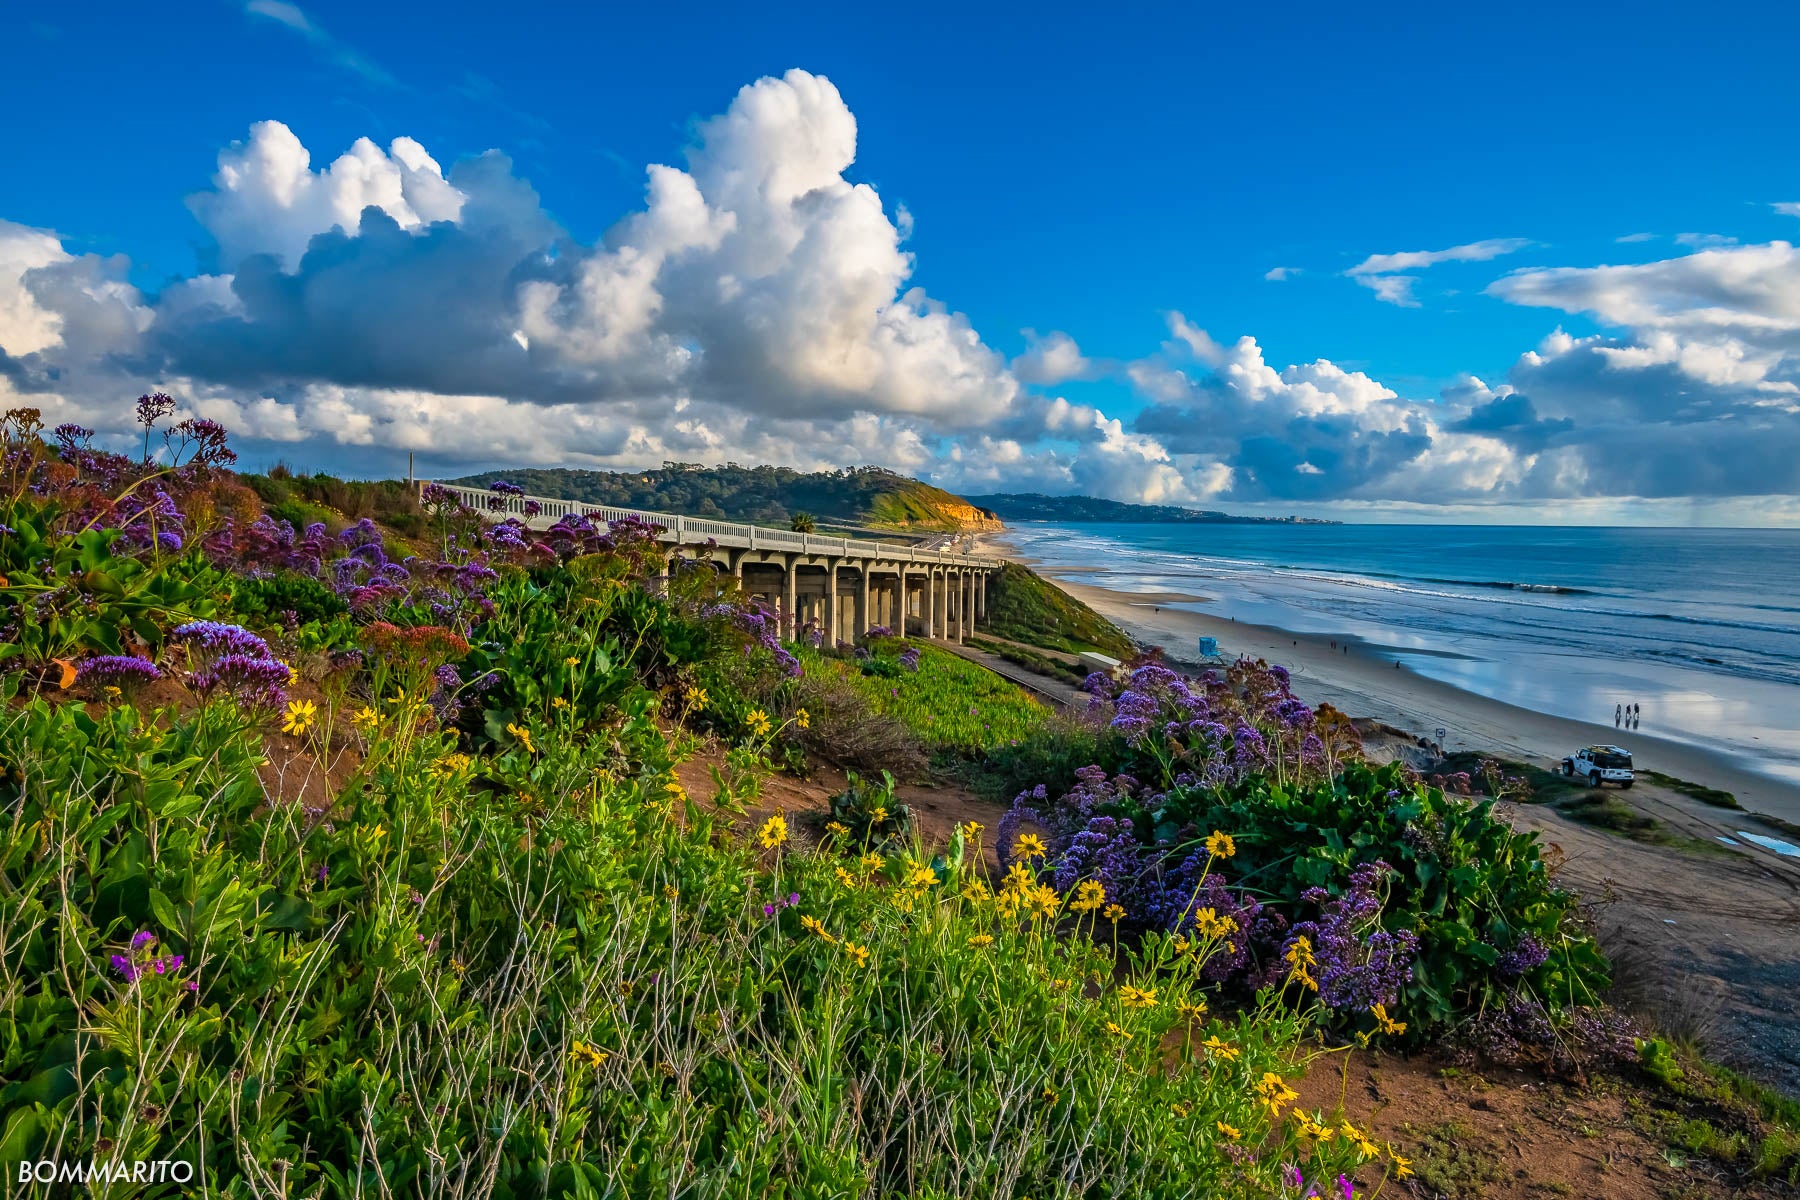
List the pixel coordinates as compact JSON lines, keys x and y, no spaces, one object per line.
{"x":1618,"y":714}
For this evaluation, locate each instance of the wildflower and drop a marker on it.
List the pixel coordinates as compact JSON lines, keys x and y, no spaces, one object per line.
{"x":1386,"y":1023}
{"x":366,"y":718}
{"x":524,"y":736}
{"x":1118,"y":1031}
{"x":1190,"y":1011}
{"x":1112,"y":912}
{"x":919,"y":878}
{"x":1089,"y":895}
{"x":774,"y":831}
{"x":837,"y":828}
{"x":696,"y":698}
{"x":1219,"y":1049}
{"x":1274,"y":1092}
{"x":871,"y":861}
{"x":592,"y":1055}
{"x":802,"y":720}
{"x":878,"y":815}
{"x":1211,"y":924}
{"x":1347,"y":1188}
{"x":976,"y":891}
{"x":293,"y":677}
{"x":1006,"y":904}
{"x":981,"y":941}
{"x":1300,"y":962}
{"x":758,"y":721}
{"x":1042,"y":902}
{"x":1029,"y":846}
{"x":1230,"y":1131}
{"x":1402,"y":1164}
{"x":1180,"y":1109}
{"x":1018,"y":878}
{"x":813,"y":925}
{"x":1134,"y":997}
{"x":450,"y":764}
{"x":671,"y":892}
{"x":1050,"y":1097}
{"x":300,"y":716}
{"x":971,"y":828}
{"x":571,"y":661}
{"x":846,"y":878}
{"x":1220,"y":845}
{"x":858,"y":954}
{"x":117,"y":673}
{"x":558,"y":702}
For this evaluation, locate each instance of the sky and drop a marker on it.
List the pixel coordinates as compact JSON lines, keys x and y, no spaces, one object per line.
{"x":1532,"y":264}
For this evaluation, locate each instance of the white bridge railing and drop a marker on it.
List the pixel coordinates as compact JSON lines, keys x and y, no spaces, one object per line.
{"x":696,"y":531}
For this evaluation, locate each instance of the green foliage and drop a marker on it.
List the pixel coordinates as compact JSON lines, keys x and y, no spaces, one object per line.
{"x":1026,"y":608}
{"x":1469,"y":886}
{"x":262,"y":599}
{"x":1450,"y":1164}
{"x":1657,"y":1058}
{"x":572,"y":642}
{"x":869,"y":810}
{"x":304,"y":498}
{"x":758,"y":495}
{"x":533,"y":971}
{"x":69,"y":595}
{"x":949,"y":703}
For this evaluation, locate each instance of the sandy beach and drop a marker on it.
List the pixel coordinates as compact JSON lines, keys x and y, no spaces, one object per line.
{"x":1346,"y":674}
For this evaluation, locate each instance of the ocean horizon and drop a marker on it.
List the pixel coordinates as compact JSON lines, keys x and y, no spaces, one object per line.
{"x":1698,"y":628}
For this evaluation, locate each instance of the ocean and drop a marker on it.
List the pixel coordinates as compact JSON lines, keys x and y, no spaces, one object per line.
{"x":1698,"y":627}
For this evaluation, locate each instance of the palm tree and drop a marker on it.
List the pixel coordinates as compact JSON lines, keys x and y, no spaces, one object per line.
{"x":803,"y":523}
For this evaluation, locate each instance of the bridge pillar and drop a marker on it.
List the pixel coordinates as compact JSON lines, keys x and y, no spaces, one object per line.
{"x":962,"y":610}
{"x":860,"y":624}
{"x":787,"y":598}
{"x":832,"y":607}
{"x":969,"y":599}
{"x":929,"y":605}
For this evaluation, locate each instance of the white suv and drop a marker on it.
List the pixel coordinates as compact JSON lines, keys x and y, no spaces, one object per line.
{"x":1600,"y":765}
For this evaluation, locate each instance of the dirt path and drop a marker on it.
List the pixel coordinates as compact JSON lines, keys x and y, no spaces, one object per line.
{"x":1707,"y":944}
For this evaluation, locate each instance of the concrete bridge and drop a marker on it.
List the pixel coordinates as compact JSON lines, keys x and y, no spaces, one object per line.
{"x":847,"y":585}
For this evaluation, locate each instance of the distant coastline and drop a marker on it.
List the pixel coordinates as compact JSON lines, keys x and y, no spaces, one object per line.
{"x":1036,"y":506}
{"x":1404,"y":681}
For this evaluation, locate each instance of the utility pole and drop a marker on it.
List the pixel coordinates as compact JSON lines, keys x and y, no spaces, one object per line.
{"x":409,"y":468}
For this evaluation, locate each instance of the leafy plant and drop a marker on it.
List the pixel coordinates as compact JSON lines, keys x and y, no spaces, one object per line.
{"x":871,"y":816}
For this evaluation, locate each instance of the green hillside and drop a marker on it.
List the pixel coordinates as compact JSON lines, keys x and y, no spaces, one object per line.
{"x":763,"y":495}
{"x":1027,"y":608}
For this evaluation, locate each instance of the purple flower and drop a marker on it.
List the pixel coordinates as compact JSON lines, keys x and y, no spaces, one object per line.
{"x":123,"y":966}
{"x":127,"y":672}
{"x":214,"y":640}
{"x":255,"y":682}
{"x":1526,"y":956}
{"x":1346,"y":1187}
{"x":1360,"y":963}
{"x":142,"y":938}
{"x":153,"y":407}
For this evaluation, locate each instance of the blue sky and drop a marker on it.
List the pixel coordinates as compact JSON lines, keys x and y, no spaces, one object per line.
{"x":1048,"y":169}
